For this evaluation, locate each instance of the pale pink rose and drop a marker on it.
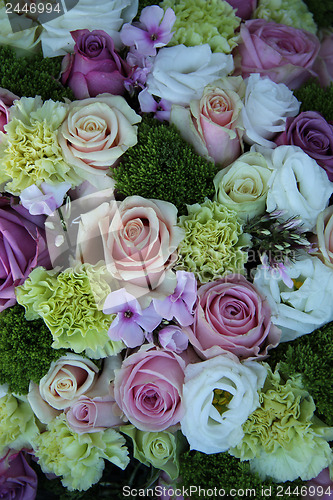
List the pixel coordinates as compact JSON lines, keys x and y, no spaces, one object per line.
{"x":6,"y":100}
{"x":323,"y":239}
{"x":137,"y":238}
{"x":283,"y":53}
{"x":232,"y":316}
{"x":96,"y":132}
{"x":148,"y":389}
{"x":324,"y":62}
{"x":213,"y":123}
{"x":92,"y":415}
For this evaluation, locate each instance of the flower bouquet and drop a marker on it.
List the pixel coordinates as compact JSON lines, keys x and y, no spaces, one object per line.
{"x":166,"y":249}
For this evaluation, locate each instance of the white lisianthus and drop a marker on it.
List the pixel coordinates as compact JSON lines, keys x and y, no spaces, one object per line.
{"x":304,"y":307}
{"x":298,"y":185}
{"x":267,"y":105}
{"x":108,"y":16}
{"x":243,"y":185}
{"x":218,"y":396}
{"x":26,"y":39}
{"x":180,"y":73}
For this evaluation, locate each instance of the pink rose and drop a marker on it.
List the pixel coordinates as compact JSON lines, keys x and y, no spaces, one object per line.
{"x":244,"y":8}
{"x":320,"y":487}
{"x":232,"y":316}
{"x":92,"y":415}
{"x":95,"y":67}
{"x":18,"y":481}
{"x":213,"y":123}
{"x":283,"y":53}
{"x":324,"y":62}
{"x":22,"y":248}
{"x":323,"y":239}
{"x":137,"y":238}
{"x":148,"y":389}
{"x":6,"y":100}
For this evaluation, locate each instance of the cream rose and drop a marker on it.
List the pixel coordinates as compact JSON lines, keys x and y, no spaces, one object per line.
{"x":96,"y":132}
{"x":324,"y":237}
{"x":243,"y":185}
{"x":137,"y":238}
{"x":67,"y":379}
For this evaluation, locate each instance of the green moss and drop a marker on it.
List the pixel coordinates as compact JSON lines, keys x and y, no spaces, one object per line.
{"x":25,"y":350}
{"x":163,"y":166}
{"x":224,"y":472}
{"x":311,"y":355}
{"x":322,"y":12}
{"x":315,"y":98}
{"x":32,"y":75}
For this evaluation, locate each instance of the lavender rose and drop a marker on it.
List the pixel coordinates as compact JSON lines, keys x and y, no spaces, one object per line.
{"x":18,"y":481}
{"x":312,"y":133}
{"x":283,"y":53}
{"x":244,"y":8}
{"x":148,"y":389}
{"x":324,"y":62}
{"x":22,"y":248}
{"x":95,"y":67}
{"x":232,"y":316}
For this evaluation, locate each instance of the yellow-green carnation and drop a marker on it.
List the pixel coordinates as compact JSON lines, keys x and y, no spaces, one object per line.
{"x":18,"y":428}
{"x":79,"y":458}
{"x":282,"y":438}
{"x":213,"y":22}
{"x":213,"y":243}
{"x":70,"y":302}
{"x":30,"y":152}
{"x":290,"y":12}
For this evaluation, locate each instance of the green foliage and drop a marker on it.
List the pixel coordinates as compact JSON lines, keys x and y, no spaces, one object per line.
{"x":322,"y":12}
{"x":311,"y":355}
{"x":32,"y":75}
{"x":165,"y":167}
{"x":315,"y":98}
{"x":25,"y":350}
{"x":224,"y":472}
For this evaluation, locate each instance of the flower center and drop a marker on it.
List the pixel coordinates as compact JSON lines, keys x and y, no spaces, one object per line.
{"x":128,"y":314}
{"x":221,"y":400}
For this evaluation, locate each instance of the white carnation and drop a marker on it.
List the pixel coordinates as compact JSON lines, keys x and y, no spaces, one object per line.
{"x":108,"y":16}
{"x":206,"y":429}
{"x":298,"y":185}
{"x":267,"y":105}
{"x":180,"y":73}
{"x":304,"y":307}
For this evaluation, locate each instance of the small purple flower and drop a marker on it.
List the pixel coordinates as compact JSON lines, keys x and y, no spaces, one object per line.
{"x":180,"y":304}
{"x":151,"y":32}
{"x":131,"y":320}
{"x":149,"y":105}
{"x":44,"y":200}
{"x":173,"y":338}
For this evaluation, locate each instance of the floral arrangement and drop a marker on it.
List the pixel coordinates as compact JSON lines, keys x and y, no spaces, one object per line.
{"x":166,"y":251}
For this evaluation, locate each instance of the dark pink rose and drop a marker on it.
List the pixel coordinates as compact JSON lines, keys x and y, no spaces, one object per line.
{"x":232,"y":316}
{"x":6,"y":100}
{"x":311,"y":132}
{"x":22,"y":248}
{"x":244,"y":7}
{"x":18,"y":481}
{"x":324,"y":62}
{"x":148,"y":389}
{"x":95,"y":67}
{"x":283,"y":53}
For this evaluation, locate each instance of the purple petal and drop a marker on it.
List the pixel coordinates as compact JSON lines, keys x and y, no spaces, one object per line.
{"x":149,"y":319}
{"x":147,"y":102}
{"x":151,"y":17}
{"x":120,"y":301}
{"x":131,"y":334}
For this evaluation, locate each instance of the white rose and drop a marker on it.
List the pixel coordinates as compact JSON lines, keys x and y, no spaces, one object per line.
{"x":108,"y":16}
{"x":243,"y":185}
{"x":26,"y":39}
{"x":304,"y":307}
{"x":180,"y":73}
{"x":206,"y":428}
{"x":298,"y":185}
{"x":267,"y":105}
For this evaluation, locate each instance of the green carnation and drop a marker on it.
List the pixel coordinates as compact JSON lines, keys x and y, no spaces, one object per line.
{"x":282,"y":438}
{"x":213,"y":242}
{"x":30,"y":150}
{"x":18,"y":428}
{"x":290,"y":12}
{"x":213,"y":22}
{"x":79,"y":458}
{"x":159,"y":449}
{"x":70,"y":303}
